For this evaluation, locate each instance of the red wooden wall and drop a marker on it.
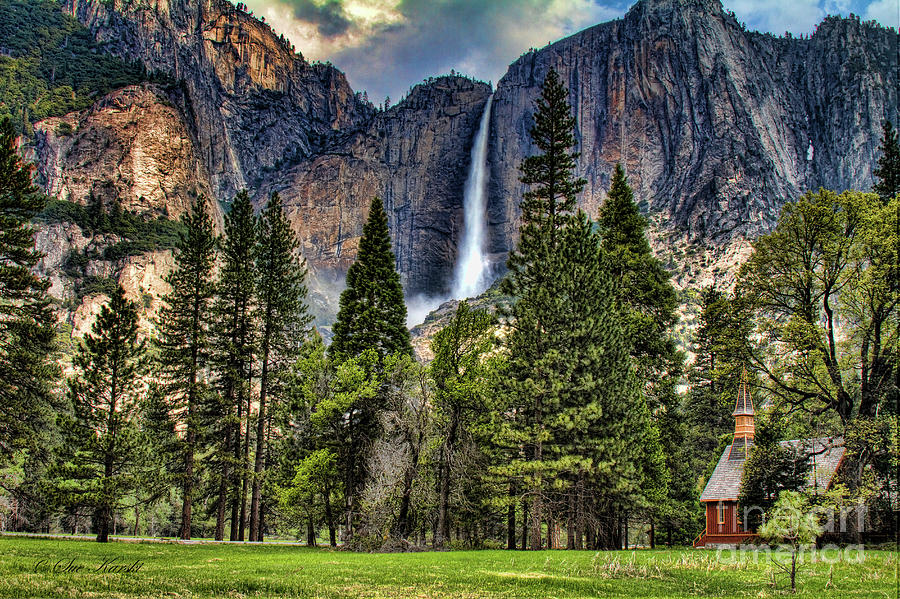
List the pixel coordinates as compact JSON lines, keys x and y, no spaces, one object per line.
{"x":731,"y":525}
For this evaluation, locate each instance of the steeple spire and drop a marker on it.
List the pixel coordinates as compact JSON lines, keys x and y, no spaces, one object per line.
{"x":744,"y":404}
{"x":744,"y":427}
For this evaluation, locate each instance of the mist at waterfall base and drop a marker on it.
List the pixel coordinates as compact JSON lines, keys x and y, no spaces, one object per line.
{"x":472,"y":274}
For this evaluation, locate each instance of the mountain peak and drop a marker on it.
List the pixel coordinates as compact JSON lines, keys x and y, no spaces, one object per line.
{"x":668,"y":7}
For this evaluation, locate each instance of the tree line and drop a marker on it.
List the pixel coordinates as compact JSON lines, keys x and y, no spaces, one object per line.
{"x":554,"y":421}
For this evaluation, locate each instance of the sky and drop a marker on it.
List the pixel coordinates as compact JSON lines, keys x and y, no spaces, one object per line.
{"x":387,"y":46}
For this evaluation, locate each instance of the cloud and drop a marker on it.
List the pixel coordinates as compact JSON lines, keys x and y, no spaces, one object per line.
{"x":886,"y":12}
{"x":476,"y":38}
{"x":385,"y":46}
{"x":328,"y":16}
{"x":778,"y":16}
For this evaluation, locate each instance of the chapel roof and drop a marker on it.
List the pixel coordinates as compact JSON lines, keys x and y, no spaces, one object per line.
{"x":825,"y":457}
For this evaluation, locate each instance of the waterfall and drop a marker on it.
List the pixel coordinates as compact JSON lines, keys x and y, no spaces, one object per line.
{"x":471,"y":276}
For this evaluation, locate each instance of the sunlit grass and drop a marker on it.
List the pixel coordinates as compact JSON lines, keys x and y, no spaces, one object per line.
{"x":170,"y":570}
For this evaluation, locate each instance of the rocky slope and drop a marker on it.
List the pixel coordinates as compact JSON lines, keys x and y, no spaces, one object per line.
{"x":717,"y":127}
{"x":131,"y":146}
{"x":251,"y":103}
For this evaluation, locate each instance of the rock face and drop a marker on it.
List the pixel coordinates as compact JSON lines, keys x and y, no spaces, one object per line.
{"x":141,"y":276}
{"x":415,"y":156}
{"x":717,"y":126}
{"x":252,"y":104}
{"x":263,"y":118}
{"x":132,"y":145}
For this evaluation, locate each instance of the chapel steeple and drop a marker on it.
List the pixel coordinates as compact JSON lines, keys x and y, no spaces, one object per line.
{"x":744,"y":427}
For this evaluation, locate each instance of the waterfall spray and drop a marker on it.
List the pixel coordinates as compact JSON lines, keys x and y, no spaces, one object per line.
{"x":472,"y":265}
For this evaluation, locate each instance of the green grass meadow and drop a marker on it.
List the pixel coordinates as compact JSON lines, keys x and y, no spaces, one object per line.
{"x":172,"y":570}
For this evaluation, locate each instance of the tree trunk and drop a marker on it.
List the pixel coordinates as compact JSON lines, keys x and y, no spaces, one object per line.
{"x":652,"y":534}
{"x":570,"y":522}
{"x":537,"y":489}
{"x":329,"y":517}
{"x":236,"y":470}
{"x":536,"y":541}
{"x":579,"y":516}
{"x":260,"y":443}
{"x":221,"y":501}
{"x":511,"y":519}
{"x":137,"y":519}
{"x":185,"y":532}
{"x":794,"y":571}
{"x":245,"y":475}
{"x":525,"y":523}
{"x":103,"y":518}
{"x":625,"y":530}
{"x":310,"y":531}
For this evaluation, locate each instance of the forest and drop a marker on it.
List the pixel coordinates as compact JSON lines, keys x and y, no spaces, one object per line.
{"x":566,"y":416}
{"x":50,"y":65}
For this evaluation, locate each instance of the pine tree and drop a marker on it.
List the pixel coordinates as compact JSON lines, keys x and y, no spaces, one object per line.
{"x":102,"y":446}
{"x":233,"y":357}
{"x":603,"y":417}
{"x":183,"y":341}
{"x":573,"y":406}
{"x":888,"y":170}
{"x":650,"y":300}
{"x":550,"y":200}
{"x":643,"y":283}
{"x":27,"y":328}
{"x":372,"y":313}
{"x":283,"y":323}
{"x":546,"y":209}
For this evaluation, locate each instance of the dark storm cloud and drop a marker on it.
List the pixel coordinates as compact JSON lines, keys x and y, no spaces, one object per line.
{"x":328,"y":17}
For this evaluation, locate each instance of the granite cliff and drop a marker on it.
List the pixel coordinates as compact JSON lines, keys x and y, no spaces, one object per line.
{"x":717,"y":127}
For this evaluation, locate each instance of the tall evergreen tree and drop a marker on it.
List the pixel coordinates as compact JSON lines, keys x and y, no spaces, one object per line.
{"x":283,"y":323}
{"x":574,"y":409}
{"x":233,"y":357}
{"x":650,"y":300}
{"x":546,"y":209}
{"x":103,"y":450}
{"x":27,"y":328}
{"x":888,"y":170}
{"x":183,"y":341}
{"x":372,"y":313}
{"x":644,"y":285}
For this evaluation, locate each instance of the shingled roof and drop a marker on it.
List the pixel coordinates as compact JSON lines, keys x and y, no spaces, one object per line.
{"x":725,"y":482}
